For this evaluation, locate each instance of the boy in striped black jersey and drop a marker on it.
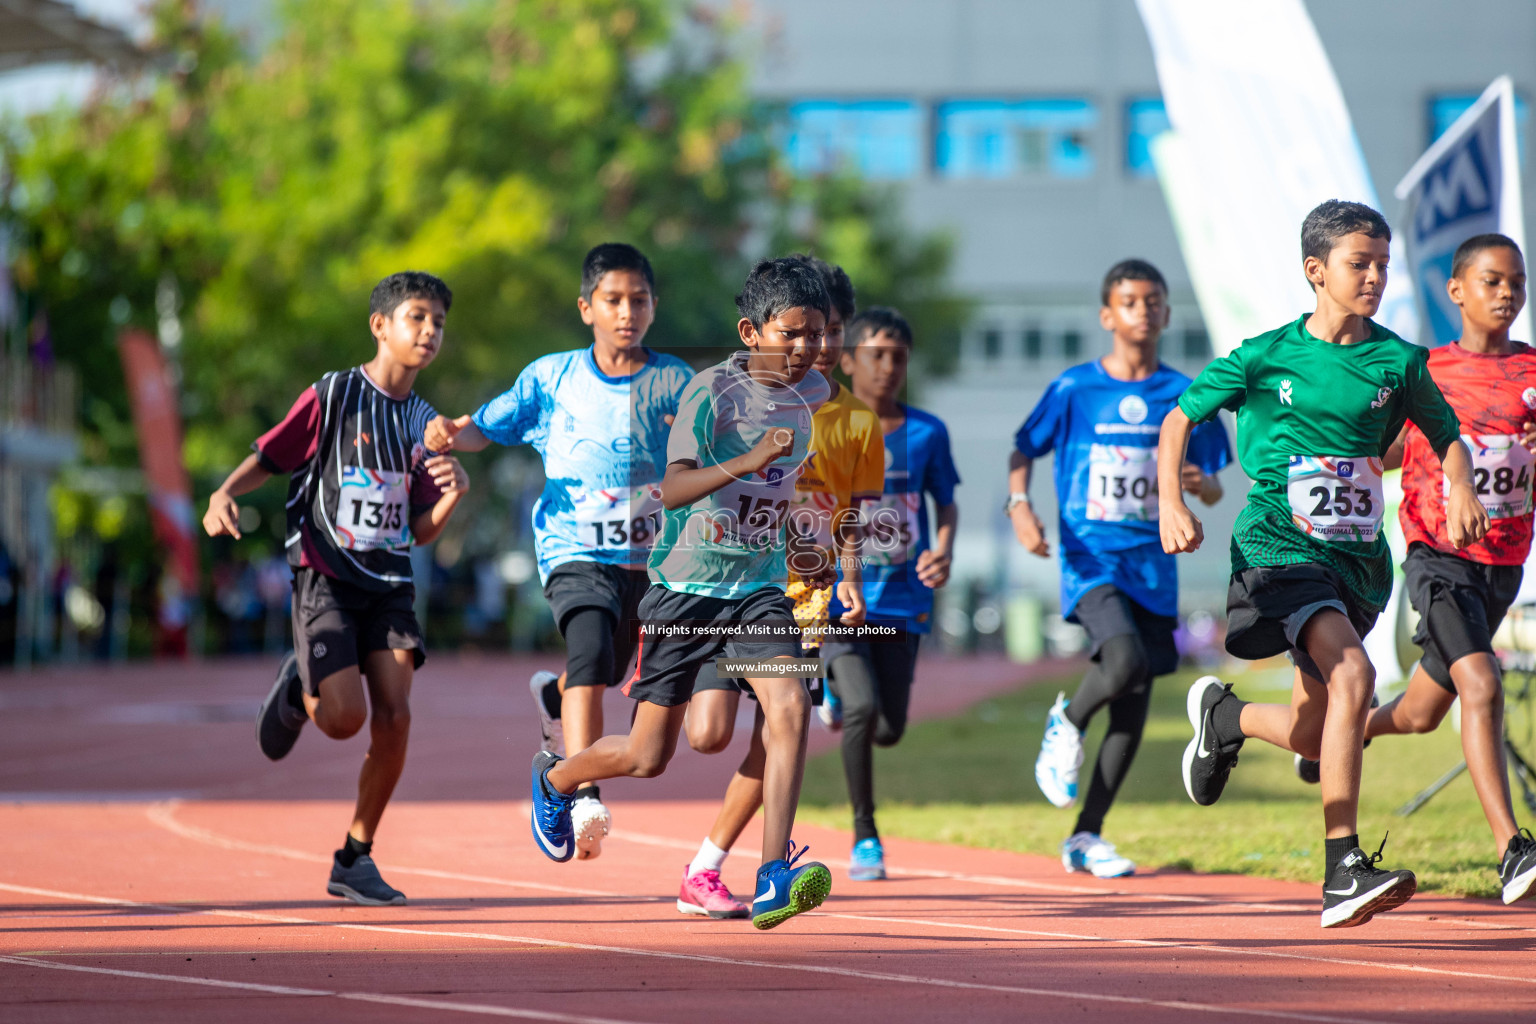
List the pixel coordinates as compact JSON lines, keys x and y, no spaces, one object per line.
{"x":363,"y":489}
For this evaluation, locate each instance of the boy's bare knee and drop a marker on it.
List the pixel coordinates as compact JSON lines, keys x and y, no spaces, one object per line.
{"x":709,"y":740}
{"x":342,"y":724}
{"x":1481,"y":693}
{"x":392,"y":720}
{"x":1353,"y":680}
{"x":647,"y":765}
{"x":1423,"y":719}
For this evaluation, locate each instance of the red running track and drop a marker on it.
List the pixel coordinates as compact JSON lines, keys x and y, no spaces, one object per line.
{"x":153,"y":867}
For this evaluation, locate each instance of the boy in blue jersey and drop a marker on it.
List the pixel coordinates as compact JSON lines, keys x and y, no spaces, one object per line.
{"x":1102,"y":420}
{"x":599,"y":418}
{"x":872,"y":679}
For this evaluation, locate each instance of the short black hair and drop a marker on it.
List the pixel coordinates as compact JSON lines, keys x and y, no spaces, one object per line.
{"x":839,"y":287}
{"x":1131,"y":270}
{"x":1468,"y":251}
{"x":782,"y":284}
{"x":613,"y":256}
{"x":876,"y":320}
{"x":1332,"y":220}
{"x":404,"y":286}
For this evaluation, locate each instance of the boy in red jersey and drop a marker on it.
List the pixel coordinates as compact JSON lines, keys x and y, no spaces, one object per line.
{"x":1461,"y":596}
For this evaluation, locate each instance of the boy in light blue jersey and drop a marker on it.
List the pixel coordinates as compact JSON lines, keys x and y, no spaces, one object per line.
{"x":1102,"y":420}
{"x":599,"y":417}
{"x":871,"y":679}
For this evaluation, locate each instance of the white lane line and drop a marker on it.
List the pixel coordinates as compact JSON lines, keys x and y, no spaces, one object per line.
{"x":717,"y":961}
{"x":202,"y":835}
{"x":483,"y":1009}
{"x":1199,"y":947}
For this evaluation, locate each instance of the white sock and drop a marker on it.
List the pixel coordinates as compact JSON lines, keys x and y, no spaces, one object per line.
{"x":709,"y":858}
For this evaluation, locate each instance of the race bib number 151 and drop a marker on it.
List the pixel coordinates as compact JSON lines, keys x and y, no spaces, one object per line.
{"x":1336,"y":498}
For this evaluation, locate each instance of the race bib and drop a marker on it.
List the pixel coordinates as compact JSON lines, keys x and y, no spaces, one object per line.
{"x":1502,"y":472}
{"x":1336,"y":498}
{"x":810,"y":516}
{"x":752,"y":512}
{"x":373,"y":511}
{"x":892,"y":528}
{"x":1122,"y":483}
{"x":618,"y":518}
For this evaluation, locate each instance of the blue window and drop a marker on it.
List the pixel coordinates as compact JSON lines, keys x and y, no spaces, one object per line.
{"x":1145,"y":120}
{"x":1015,"y":138}
{"x":878,"y":139}
{"x":1445,"y":108}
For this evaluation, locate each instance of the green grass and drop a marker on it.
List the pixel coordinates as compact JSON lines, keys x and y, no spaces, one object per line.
{"x":970,"y":780}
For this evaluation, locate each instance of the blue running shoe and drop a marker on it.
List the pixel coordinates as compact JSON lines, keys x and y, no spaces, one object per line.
{"x":868,"y":861}
{"x":551,"y":811}
{"x":1061,"y":755}
{"x":784,"y":890}
{"x":830,"y":710}
{"x":1089,"y":853}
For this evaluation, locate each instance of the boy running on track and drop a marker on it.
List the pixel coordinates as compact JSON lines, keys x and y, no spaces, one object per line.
{"x":719,"y":568}
{"x":1318,"y":402}
{"x":1461,"y":596}
{"x":363,"y":488}
{"x":598,"y":417}
{"x":1101,"y":419}
{"x":843,"y":470}
{"x":872,"y":679}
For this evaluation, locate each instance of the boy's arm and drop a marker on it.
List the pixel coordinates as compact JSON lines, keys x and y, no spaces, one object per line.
{"x":223,"y":515}
{"x":456,"y":435}
{"x":1177,"y":525}
{"x":452,"y":482}
{"x":1203,"y":485}
{"x":1466,"y":520}
{"x":933,"y":564}
{"x":686,"y":482}
{"x":1026,"y":525}
{"x":848,"y":542}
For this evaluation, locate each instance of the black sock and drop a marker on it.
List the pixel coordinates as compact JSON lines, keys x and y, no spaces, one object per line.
{"x":550,"y":695}
{"x":296,"y":692}
{"x":586,"y":791}
{"x":352,"y":849}
{"x":1335,"y":850}
{"x":1227,"y":717}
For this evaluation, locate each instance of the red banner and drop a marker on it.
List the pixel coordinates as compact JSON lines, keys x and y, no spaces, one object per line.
{"x":158,"y":422}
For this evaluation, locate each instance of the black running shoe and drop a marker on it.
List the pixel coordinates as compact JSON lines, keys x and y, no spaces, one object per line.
{"x":1209,"y":758}
{"x":1357,"y":889}
{"x":1308,"y":770}
{"x":282,"y":713}
{"x":361,"y":883}
{"x":1518,"y":868}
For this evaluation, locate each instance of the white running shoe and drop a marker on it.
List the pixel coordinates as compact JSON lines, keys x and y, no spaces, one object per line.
{"x":1087,"y":852}
{"x":552,"y":733}
{"x":1061,"y":755}
{"x":590,"y":821}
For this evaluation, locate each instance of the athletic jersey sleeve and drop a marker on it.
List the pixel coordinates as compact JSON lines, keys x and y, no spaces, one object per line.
{"x":1038,"y":435}
{"x":1427,"y":407}
{"x":1223,"y":384}
{"x":693,"y":429}
{"x":292,"y":442}
{"x":941,"y":477}
{"x":518,"y":415}
{"x":869,"y":466}
{"x":1209,"y":447}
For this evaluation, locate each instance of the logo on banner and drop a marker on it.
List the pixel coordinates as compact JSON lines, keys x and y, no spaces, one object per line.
{"x":1458,"y":188}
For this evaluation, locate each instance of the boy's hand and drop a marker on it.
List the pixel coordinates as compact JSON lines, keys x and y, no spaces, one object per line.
{"x":1027,"y":527}
{"x":1192,"y":478}
{"x":1529,"y":439}
{"x":223,"y":515}
{"x":775,"y":443}
{"x":448,"y":474}
{"x":932,"y":569}
{"x":441,"y":431}
{"x":851,"y":595}
{"x":1466,"y":520}
{"x":810,"y":561}
{"x":1180,"y":529}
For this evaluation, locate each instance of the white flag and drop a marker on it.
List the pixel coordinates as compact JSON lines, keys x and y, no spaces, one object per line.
{"x":1467,"y":183}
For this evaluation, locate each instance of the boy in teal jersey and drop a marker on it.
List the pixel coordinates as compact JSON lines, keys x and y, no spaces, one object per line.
{"x":599,"y":419}
{"x":1318,"y":402}
{"x":718,"y":573}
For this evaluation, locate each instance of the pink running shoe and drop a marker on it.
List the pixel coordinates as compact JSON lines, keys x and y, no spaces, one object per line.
{"x":704,"y":894}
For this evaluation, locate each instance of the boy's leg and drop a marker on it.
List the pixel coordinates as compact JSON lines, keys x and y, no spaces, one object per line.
{"x":1330,"y":640}
{"x":589,"y":671}
{"x":711,"y":719}
{"x":702,"y":890}
{"x":786,"y":710}
{"x":895,"y":666}
{"x":852,"y":677}
{"x":389,"y":675}
{"x":642,"y":754}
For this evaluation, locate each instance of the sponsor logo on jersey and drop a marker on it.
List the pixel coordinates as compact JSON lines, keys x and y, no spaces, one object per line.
{"x":1381,"y":398}
{"x":1528,"y":396}
{"x":1285,"y":392}
{"x":1133,"y":409}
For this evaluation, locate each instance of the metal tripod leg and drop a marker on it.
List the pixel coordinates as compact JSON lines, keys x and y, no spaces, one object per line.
{"x":1524,"y":774}
{"x":1435,"y":787}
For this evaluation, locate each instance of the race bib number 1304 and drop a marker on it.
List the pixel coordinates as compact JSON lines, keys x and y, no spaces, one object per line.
{"x":1336,"y":498}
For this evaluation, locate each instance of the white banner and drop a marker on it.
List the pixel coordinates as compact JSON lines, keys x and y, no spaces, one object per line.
{"x":1467,"y":183}
{"x":1261,"y":136}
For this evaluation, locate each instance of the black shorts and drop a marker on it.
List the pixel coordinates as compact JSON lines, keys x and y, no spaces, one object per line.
{"x":1268,"y":606}
{"x":1460,"y":605}
{"x":890,"y":661}
{"x":1107,"y":612}
{"x":573,"y":586}
{"x":336,"y":625}
{"x":667,"y":666}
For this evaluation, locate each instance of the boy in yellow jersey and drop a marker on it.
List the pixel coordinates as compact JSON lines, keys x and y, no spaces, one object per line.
{"x":845,"y":468}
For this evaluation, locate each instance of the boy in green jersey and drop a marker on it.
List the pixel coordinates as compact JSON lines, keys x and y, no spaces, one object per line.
{"x":1318,"y":403}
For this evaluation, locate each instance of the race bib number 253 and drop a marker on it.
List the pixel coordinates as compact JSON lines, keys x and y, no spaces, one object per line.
{"x":1336,"y":498}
